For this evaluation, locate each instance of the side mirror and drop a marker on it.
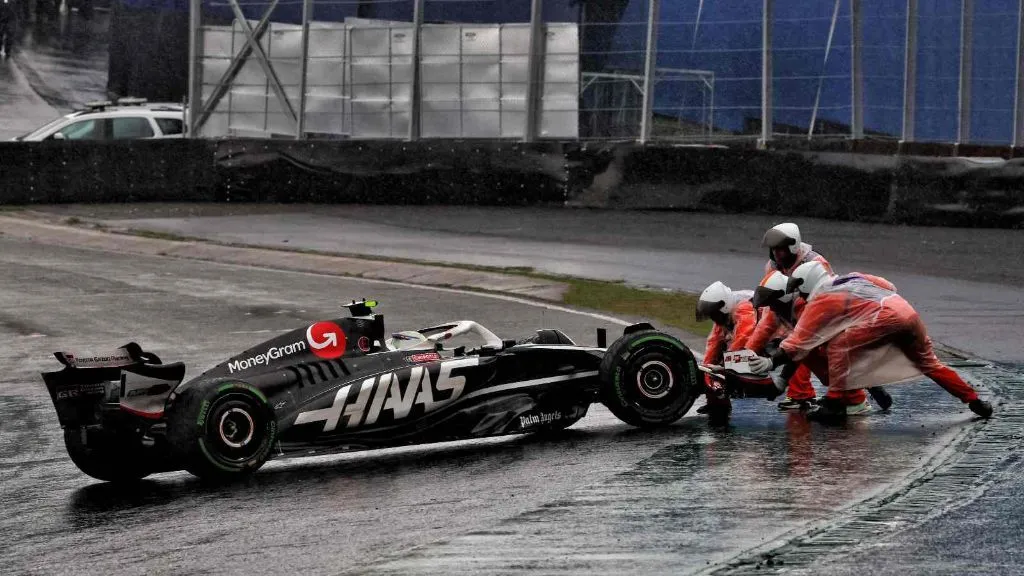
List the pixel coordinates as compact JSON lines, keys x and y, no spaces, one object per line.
{"x":57,"y":136}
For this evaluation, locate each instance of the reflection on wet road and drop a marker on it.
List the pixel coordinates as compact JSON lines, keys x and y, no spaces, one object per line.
{"x":601,"y":498}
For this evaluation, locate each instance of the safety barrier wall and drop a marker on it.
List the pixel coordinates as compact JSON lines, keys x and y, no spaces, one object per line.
{"x":838,"y":181}
{"x":56,"y":172}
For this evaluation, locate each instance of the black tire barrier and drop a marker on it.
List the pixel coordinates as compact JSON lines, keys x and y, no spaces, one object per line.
{"x":826,"y":181}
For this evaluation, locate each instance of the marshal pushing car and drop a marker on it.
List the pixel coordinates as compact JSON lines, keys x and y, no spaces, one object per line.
{"x":344,"y":385}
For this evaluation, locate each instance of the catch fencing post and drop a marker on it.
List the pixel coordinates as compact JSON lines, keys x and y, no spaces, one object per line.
{"x":857,"y":89}
{"x":650,"y":68}
{"x":307,"y":10}
{"x":963,"y":133}
{"x":910,"y":73}
{"x":195,"y":83}
{"x":766,"y":74}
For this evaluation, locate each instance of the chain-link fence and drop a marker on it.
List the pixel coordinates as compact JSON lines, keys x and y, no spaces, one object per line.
{"x":679,"y":70}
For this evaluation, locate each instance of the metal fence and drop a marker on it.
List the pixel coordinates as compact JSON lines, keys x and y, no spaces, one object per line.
{"x":677,"y":70}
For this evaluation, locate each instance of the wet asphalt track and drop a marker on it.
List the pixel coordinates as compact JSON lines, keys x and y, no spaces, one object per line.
{"x":967,"y":284}
{"x":602,"y":499}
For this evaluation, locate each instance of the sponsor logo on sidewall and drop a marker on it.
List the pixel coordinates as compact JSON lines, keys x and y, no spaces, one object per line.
{"x":391,"y":396}
{"x":326,"y":340}
{"x":425,"y":357}
{"x":539,"y":419}
{"x":263,"y":359}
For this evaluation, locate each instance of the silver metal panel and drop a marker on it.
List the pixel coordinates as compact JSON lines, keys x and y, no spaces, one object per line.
{"x":512,"y":121}
{"x":326,"y":72}
{"x":481,"y":78}
{"x":481,"y":40}
{"x":440,"y":40}
{"x":217,"y":42}
{"x":562,"y":39}
{"x":481,"y":123}
{"x":401,"y":82}
{"x":326,"y":40}
{"x":559,"y":123}
{"x":251,"y":73}
{"x":514,"y":73}
{"x":370,"y":80}
{"x":369,"y":42}
{"x":216,"y":125}
{"x":561,"y":77}
{"x":401,"y":41}
{"x":515,"y":39}
{"x":440,"y":119}
{"x":248,"y":108}
{"x":371,"y":119}
{"x":289,"y":71}
{"x":440,"y":77}
{"x":400,"y":123}
{"x":325,"y":111}
{"x":213,"y":69}
{"x":279,"y":124}
{"x":285,"y":41}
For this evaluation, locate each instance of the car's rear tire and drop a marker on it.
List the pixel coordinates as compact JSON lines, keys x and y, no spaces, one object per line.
{"x":649,"y":379}
{"x":221,"y":429}
{"x":104,"y":457}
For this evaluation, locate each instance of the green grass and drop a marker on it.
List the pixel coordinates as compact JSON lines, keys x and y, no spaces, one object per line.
{"x":160,"y":235}
{"x":12,"y":208}
{"x":664,"y":307}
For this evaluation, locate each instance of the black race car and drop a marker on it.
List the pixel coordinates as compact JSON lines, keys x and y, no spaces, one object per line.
{"x":342,"y":385}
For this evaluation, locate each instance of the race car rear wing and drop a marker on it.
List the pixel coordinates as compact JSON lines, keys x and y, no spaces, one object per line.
{"x":127,"y":380}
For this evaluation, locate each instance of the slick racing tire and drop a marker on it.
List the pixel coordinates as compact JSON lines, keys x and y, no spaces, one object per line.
{"x":105,"y":458}
{"x":649,"y":379}
{"x":221,"y":429}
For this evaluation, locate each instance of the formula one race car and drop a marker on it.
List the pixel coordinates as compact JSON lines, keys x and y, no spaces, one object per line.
{"x":342,"y":385}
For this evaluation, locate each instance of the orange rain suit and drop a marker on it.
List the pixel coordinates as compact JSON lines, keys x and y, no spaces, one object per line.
{"x":856,"y":314}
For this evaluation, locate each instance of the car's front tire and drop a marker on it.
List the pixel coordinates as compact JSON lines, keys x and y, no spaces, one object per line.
{"x":221,"y":429}
{"x":649,"y":378}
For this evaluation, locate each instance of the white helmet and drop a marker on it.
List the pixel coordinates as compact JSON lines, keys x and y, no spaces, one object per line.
{"x":785,"y":235}
{"x":808,"y":277}
{"x":772,"y":289}
{"x":717,"y":298}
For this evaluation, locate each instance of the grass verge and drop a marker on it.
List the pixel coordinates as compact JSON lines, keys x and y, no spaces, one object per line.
{"x":664,"y":307}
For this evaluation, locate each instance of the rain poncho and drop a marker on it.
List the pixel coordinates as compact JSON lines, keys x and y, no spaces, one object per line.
{"x":873,"y":337}
{"x":731,"y":337}
{"x":724,"y":339}
{"x":773,"y":325}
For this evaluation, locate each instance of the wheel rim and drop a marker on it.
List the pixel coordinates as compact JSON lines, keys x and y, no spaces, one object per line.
{"x":236,"y":428}
{"x":654,"y":379}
